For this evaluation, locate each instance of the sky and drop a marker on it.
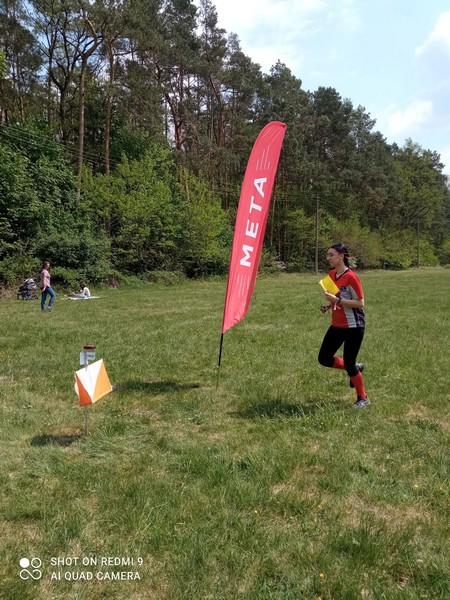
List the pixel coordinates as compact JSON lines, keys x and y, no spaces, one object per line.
{"x":390,"y":56}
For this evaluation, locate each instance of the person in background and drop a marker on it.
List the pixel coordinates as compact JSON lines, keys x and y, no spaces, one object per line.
{"x":46,"y":288}
{"x":347,"y":322}
{"x":83,"y":293}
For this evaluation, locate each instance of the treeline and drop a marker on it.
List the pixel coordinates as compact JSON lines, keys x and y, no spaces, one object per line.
{"x":125,"y":129}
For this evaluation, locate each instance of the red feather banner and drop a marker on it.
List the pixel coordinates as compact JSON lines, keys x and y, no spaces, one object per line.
{"x":251,"y":221}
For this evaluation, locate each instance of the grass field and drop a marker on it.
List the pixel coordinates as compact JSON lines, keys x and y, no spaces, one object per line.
{"x":269,"y":487}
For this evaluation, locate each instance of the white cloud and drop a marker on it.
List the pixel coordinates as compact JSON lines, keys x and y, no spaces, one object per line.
{"x":345,"y":15}
{"x":409,"y":119}
{"x":439,"y":38}
{"x":271,"y":30}
{"x":445,"y":158}
{"x":243,"y":16}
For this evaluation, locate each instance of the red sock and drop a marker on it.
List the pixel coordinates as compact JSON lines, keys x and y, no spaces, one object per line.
{"x":358,"y":382}
{"x":338,"y":363}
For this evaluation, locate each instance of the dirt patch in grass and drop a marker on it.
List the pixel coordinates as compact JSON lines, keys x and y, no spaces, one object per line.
{"x":354,"y":509}
{"x":422,"y":413}
{"x":24,"y":531}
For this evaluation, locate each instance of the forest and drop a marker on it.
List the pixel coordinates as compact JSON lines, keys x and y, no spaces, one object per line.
{"x":125,"y":130}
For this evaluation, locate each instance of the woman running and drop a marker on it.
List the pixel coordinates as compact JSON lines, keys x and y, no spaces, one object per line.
{"x":347,"y":323}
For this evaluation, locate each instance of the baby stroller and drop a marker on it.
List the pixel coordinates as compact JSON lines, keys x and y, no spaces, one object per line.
{"x":27,"y":290}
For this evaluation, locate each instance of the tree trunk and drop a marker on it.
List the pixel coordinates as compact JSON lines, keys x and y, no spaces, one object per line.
{"x":84,"y":62}
{"x":109,"y":101}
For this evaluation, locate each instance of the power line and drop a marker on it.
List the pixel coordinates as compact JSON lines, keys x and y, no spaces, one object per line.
{"x":287,"y":197}
{"x":23,"y":135}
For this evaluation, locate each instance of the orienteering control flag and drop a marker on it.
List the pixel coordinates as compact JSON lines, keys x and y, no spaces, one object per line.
{"x":251,"y":220}
{"x":92,"y":383}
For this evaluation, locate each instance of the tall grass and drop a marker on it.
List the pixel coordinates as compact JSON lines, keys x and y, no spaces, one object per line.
{"x":269,"y":487}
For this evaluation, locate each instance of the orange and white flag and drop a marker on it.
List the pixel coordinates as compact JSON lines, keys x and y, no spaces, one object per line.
{"x":92,"y":383}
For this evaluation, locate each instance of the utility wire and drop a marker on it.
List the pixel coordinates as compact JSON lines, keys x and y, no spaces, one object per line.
{"x":42,"y":140}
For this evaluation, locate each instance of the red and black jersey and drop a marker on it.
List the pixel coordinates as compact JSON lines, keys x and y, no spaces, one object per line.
{"x":349,"y":289}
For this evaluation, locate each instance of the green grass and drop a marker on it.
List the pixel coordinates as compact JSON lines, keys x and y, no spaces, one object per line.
{"x":269,"y":487}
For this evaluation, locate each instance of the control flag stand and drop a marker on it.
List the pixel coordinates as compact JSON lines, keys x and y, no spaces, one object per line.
{"x":91,"y":381}
{"x":86,"y":355}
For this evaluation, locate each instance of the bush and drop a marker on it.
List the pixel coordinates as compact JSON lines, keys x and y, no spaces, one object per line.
{"x":427,"y":256}
{"x":444,"y":253}
{"x":207,"y":235}
{"x":14,"y":269}
{"x":66,"y":278}
{"x":270,"y":262}
{"x":74,"y":247}
{"x":138,"y":208}
{"x":400,"y":251}
{"x":300,"y":264}
{"x":365,"y":246}
{"x":165,"y":277}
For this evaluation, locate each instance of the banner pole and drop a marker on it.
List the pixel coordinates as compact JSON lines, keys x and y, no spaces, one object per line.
{"x":220,"y":358}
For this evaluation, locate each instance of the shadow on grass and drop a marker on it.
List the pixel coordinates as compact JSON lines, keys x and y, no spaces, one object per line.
{"x":55,"y":440}
{"x":277,"y":409}
{"x":155,"y":387}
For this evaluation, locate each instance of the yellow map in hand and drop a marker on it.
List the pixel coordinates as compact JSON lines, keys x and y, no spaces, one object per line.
{"x":328,"y":285}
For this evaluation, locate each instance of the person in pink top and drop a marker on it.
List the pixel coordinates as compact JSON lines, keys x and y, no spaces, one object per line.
{"x":46,"y":288}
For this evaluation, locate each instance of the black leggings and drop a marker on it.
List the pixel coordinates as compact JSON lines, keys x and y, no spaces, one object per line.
{"x":351,"y":337}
